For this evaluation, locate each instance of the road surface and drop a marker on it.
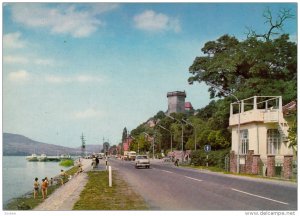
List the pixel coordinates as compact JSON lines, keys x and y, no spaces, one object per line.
{"x":166,"y":187}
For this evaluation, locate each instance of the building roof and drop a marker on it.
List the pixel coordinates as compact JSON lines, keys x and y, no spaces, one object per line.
{"x":176,"y":93}
{"x":290,"y":107}
{"x":188,"y":105}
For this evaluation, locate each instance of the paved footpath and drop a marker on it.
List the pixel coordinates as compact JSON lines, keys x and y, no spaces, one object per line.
{"x":66,"y":195}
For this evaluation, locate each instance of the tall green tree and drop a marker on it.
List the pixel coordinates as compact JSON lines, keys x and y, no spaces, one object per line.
{"x":124,"y":134}
{"x":259,"y":65}
{"x":247,"y":68}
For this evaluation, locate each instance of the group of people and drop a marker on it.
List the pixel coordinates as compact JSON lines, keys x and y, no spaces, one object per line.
{"x":95,"y":162}
{"x":44,"y":187}
{"x":45,"y":183}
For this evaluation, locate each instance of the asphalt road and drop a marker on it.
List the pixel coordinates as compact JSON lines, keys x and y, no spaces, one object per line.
{"x":166,"y":187}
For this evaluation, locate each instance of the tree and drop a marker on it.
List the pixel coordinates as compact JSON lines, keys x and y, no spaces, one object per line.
{"x":253,"y":66}
{"x":247,"y":68}
{"x":274,"y":25}
{"x":293,"y":134}
{"x":124,"y":135}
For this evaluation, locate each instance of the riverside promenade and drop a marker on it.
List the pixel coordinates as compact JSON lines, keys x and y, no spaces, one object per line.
{"x":64,"y":198}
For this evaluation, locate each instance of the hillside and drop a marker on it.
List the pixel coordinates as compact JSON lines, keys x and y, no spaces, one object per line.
{"x":15,"y":144}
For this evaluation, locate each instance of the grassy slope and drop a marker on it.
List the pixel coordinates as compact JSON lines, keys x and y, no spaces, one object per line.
{"x":98,"y":196}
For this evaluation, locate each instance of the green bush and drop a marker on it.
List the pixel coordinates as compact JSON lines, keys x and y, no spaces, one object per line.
{"x":67,"y":163}
{"x":215,"y":158}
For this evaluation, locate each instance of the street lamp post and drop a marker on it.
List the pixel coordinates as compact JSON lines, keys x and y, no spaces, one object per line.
{"x":137,"y":143}
{"x":181,"y":134}
{"x":239,"y":122}
{"x":194,"y":131}
{"x":152,"y":144}
{"x":171,"y":136}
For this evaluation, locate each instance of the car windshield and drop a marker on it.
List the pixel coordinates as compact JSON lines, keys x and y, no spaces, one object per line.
{"x":142,"y":157}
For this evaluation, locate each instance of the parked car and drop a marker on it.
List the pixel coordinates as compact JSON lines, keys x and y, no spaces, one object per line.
{"x":142,"y":161}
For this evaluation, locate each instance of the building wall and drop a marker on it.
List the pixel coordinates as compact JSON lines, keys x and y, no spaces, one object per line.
{"x":257,"y":133}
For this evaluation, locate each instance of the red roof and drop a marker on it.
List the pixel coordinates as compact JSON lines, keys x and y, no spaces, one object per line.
{"x":188,"y":105}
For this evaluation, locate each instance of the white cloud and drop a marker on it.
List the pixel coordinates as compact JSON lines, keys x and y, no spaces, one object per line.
{"x":88,"y":113}
{"x":20,"y":75}
{"x":151,"y":21}
{"x":72,"y":79}
{"x":10,"y":59}
{"x":45,"y":62}
{"x":15,"y":59}
{"x":78,"y":22}
{"x":13,"y":41}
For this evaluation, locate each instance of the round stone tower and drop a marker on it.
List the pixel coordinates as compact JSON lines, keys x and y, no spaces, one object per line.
{"x":176,"y":102}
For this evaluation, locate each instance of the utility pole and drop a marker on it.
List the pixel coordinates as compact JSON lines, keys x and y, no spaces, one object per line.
{"x":194,"y":131}
{"x":171,"y":136}
{"x":82,"y":145}
{"x":239,"y":122}
{"x":182,"y":156}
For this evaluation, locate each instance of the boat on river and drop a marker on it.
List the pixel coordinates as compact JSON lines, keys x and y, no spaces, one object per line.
{"x":43,"y":157}
{"x":32,"y":157}
{"x":65,"y":157}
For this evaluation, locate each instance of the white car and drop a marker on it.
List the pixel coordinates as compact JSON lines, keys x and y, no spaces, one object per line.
{"x":142,"y":161}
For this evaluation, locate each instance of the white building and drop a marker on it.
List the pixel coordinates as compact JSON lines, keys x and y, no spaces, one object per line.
{"x":259,"y":127}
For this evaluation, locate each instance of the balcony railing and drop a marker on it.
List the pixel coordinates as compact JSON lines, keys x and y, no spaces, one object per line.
{"x":265,"y":109}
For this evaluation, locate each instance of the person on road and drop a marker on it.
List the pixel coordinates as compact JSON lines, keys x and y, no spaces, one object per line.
{"x":94,"y":162}
{"x":35,"y":188}
{"x":97,"y":161}
{"x":176,"y":162}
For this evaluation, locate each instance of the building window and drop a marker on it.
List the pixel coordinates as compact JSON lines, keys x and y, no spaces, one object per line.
{"x":273,"y":141}
{"x":244,"y":141}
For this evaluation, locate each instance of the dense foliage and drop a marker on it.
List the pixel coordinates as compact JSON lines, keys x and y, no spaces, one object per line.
{"x":67,"y":163}
{"x":259,"y":65}
{"x":247,"y":68}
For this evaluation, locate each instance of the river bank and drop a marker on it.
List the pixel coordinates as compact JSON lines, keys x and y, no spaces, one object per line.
{"x":26,"y":200}
{"x":89,"y":190}
{"x":18,"y":175}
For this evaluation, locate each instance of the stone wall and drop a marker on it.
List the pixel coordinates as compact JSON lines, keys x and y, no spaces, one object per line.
{"x":271,"y":165}
{"x":255,"y":164}
{"x":233,"y":162}
{"x":252,"y":164}
{"x":249,"y":162}
{"x":288,"y":166}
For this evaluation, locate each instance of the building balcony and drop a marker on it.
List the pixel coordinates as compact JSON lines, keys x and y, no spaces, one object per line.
{"x":264,"y":109}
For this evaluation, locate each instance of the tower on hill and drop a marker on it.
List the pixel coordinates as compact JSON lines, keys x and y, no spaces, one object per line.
{"x":176,"y":102}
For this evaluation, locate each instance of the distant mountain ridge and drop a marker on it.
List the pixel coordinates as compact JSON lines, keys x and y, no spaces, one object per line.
{"x":19,"y":145}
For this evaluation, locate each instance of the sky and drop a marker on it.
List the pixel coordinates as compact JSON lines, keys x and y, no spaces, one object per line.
{"x":73,"y":68}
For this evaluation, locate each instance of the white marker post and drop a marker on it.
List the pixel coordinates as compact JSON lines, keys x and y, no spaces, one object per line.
{"x":109,"y":176}
{"x":106,"y":163}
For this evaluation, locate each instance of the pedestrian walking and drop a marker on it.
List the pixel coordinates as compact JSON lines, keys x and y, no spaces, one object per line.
{"x":176,"y":162}
{"x":97,"y":161}
{"x":35,"y":188}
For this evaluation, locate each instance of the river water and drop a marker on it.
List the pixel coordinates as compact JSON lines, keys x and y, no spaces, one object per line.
{"x":18,"y":175}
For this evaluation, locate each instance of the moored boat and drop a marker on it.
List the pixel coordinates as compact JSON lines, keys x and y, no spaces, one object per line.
{"x":43,"y":157}
{"x":32,"y":157}
{"x":65,"y":157}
